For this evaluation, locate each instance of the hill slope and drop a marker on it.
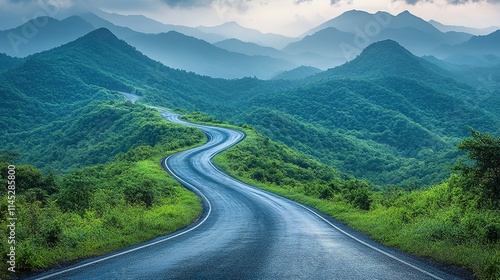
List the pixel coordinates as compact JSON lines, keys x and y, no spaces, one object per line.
{"x":386,"y":112}
{"x":41,"y":34}
{"x":387,"y":116}
{"x":60,"y":108}
{"x":188,"y":53}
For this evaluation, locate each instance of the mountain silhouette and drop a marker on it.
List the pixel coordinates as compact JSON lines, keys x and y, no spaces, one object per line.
{"x":41,"y":34}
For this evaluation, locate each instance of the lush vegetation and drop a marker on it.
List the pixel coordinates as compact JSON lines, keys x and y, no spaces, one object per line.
{"x":386,"y":117}
{"x":100,"y":208}
{"x":448,"y":222}
{"x":7,"y":62}
{"x":88,"y":179}
{"x":362,"y":118}
{"x":94,"y":134}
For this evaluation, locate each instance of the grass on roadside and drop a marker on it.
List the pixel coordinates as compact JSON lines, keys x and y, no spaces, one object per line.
{"x":438,"y":222}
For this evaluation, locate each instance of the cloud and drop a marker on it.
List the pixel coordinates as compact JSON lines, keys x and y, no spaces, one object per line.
{"x":462,"y":2}
{"x":302,"y":1}
{"x":188,"y":3}
{"x":237,"y":4}
{"x":451,"y":2}
{"x":338,"y":2}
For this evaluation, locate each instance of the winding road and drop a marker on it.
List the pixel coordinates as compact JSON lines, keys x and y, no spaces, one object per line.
{"x":247,"y":233}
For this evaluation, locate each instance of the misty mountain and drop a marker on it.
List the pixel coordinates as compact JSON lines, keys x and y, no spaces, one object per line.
{"x":357,"y":22}
{"x":146,"y":25}
{"x":306,"y":58}
{"x":41,"y":34}
{"x":389,"y":59}
{"x":475,"y":46}
{"x":8,"y":62}
{"x":470,"y":30}
{"x":486,"y":60}
{"x":54,"y":83}
{"x":298,"y":73}
{"x":412,"y":32}
{"x":487,"y":44}
{"x":419,"y":42}
{"x":249,"y":48}
{"x":386,"y":128}
{"x":234,"y":30}
{"x":386,"y":111}
{"x":98,"y":22}
{"x":329,"y":42}
{"x":188,"y":53}
{"x":178,"y":51}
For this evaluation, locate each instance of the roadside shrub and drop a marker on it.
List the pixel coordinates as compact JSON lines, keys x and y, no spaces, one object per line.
{"x":357,"y":193}
{"x":140,"y":194}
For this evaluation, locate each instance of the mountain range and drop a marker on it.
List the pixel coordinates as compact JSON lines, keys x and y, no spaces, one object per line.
{"x":237,"y":51}
{"x":387,"y":116}
{"x":355,"y":124}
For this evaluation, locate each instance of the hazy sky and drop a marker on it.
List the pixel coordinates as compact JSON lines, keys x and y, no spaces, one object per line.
{"x":289,"y":17}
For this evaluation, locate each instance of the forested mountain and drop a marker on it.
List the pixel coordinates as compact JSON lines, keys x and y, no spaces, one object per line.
{"x":41,"y":34}
{"x":248,"y":48}
{"x":415,"y":34}
{"x":188,"y":53}
{"x":298,"y":73}
{"x":470,"y":30}
{"x":59,"y":87}
{"x":146,"y":25}
{"x":8,"y":62}
{"x":387,"y":115}
{"x":234,"y":30}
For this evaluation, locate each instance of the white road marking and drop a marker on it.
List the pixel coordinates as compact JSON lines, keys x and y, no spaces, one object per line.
{"x":209,"y":206}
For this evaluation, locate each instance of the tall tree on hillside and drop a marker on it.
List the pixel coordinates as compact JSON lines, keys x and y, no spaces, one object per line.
{"x":483,"y":175}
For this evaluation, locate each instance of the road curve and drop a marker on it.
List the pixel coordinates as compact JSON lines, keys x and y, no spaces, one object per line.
{"x":247,"y":233}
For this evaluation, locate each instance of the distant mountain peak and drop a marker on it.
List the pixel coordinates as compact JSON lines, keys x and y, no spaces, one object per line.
{"x":231,"y":23}
{"x":382,"y":59}
{"x":102,"y":34}
{"x":386,"y":46}
{"x":405,"y":12}
{"x":354,"y":11}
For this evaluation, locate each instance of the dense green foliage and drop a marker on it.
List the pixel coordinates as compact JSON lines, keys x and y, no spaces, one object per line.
{"x":96,"y":185}
{"x":7,"y":62}
{"x":442,"y":222}
{"x":483,"y":177}
{"x":385,"y":117}
{"x":100,"y":208}
{"x":94,"y":134}
{"x":392,"y":124}
{"x":297,"y":73}
{"x":396,"y":124}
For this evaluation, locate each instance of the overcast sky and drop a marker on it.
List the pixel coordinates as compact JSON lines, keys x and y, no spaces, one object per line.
{"x":288,"y":17}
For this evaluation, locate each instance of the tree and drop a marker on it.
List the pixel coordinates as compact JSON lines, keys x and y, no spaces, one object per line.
{"x":76,"y":192}
{"x":483,"y":174}
{"x":9,"y":156}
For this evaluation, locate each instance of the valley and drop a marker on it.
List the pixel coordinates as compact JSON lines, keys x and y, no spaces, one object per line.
{"x":393,"y":133}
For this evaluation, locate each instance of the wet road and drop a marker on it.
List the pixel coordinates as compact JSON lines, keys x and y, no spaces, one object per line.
{"x":246,"y":233}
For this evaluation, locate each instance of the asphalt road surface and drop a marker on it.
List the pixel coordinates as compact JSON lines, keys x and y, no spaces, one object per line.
{"x":246,"y":233}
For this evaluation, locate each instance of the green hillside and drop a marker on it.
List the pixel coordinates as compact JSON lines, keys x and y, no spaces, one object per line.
{"x":7,"y":62}
{"x":86,"y":161}
{"x":455,"y":222}
{"x":393,"y":123}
